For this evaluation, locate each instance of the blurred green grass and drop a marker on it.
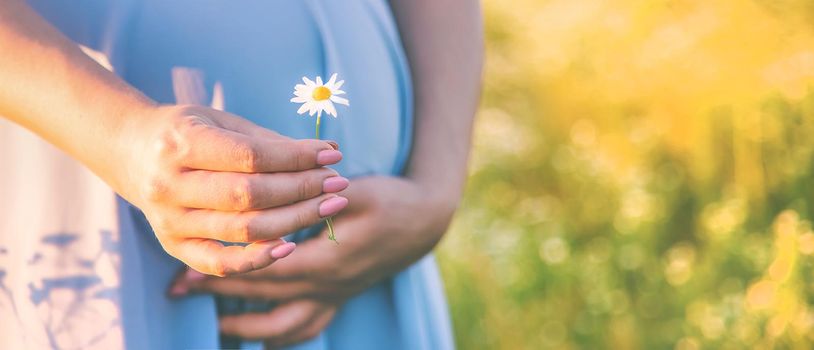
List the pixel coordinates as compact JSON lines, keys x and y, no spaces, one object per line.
{"x":641,"y":178}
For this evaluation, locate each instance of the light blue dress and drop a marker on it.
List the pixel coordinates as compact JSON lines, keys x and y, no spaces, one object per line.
{"x":251,"y":53}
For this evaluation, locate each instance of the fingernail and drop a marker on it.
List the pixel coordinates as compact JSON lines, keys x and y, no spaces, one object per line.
{"x":328,"y":157}
{"x":282,"y":251}
{"x":179,"y":290}
{"x":193,"y":276}
{"x":333,"y":144}
{"x":332,"y":206}
{"x":335,"y":184}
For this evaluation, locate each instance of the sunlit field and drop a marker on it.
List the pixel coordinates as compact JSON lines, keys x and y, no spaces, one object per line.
{"x":642,"y":178}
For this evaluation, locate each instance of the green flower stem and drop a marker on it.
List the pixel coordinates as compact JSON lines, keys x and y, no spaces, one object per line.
{"x":331,"y":235}
{"x":329,"y":221}
{"x":319,"y":116}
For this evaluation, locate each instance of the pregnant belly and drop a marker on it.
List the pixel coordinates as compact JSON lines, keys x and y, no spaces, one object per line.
{"x":248,"y":56}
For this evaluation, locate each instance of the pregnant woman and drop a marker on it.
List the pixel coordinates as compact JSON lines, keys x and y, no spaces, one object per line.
{"x":182,"y":109}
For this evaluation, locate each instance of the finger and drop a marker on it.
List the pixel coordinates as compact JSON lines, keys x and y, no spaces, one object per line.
{"x":282,"y":319}
{"x":229,"y":191}
{"x":238,"y":287}
{"x":360,"y":193}
{"x":314,"y":257}
{"x":191,"y":280}
{"x":260,"y":225}
{"x":245,"y":126}
{"x":213,"y":258}
{"x":310,"y":330}
{"x":216,"y":149}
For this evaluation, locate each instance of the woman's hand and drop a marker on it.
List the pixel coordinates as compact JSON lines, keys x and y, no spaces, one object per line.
{"x":389,"y":224}
{"x":289,"y":323}
{"x":202,"y":176}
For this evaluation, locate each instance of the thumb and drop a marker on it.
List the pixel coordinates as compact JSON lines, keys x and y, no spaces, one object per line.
{"x":188,"y":277}
{"x":360,"y":193}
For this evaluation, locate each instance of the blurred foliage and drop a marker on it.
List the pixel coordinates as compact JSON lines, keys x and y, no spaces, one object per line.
{"x":642,"y":178}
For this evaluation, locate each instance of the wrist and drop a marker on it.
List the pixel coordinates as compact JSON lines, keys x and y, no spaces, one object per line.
{"x":439,"y":204}
{"x":123,"y":140}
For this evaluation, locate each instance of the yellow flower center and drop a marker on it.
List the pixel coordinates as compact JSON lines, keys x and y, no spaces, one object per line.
{"x":321,"y":93}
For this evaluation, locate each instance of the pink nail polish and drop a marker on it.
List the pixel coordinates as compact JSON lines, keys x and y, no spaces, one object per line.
{"x":282,"y":251}
{"x":178,"y":290}
{"x":328,"y":157}
{"x":332,"y":206}
{"x":193,"y":276}
{"x":335,"y":184}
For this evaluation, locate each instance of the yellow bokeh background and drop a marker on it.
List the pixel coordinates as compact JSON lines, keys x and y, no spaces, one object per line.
{"x":642,"y":178}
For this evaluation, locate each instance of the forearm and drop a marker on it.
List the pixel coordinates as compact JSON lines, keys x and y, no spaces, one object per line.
{"x":49,"y":86}
{"x":444,"y":45}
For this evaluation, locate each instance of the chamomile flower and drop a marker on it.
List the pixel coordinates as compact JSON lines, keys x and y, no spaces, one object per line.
{"x":317,"y":97}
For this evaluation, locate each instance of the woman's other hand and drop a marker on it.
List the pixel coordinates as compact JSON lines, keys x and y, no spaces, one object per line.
{"x":390,"y":223}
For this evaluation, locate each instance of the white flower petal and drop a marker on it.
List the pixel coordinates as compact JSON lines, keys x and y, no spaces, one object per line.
{"x":329,"y":108}
{"x":299,"y":99}
{"x":308,"y":82}
{"x":319,"y":81}
{"x":331,"y":81}
{"x":312,"y":111}
{"x":338,"y":84}
{"x":303,"y":108}
{"x":340,"y":100}
{"x":337,"y":92}
{"x":306,"y":93}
